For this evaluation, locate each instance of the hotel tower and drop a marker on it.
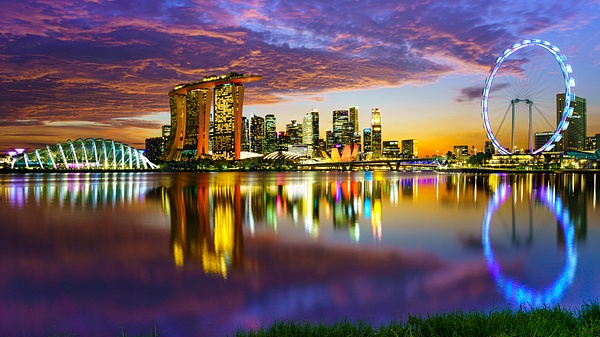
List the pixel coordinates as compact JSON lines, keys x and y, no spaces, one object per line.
{"x":191,"y":121}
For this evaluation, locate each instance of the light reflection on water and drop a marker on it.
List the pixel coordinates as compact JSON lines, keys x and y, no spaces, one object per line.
{"x":204,"y":254}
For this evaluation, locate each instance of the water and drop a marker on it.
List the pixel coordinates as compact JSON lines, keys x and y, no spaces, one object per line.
{"x":204,"y":254}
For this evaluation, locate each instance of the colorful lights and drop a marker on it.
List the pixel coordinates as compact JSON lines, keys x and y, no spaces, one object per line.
{"x":569,"y":83}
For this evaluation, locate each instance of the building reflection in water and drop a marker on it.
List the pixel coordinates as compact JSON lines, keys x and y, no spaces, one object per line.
{"x":209,"y":218}
{"x":206,"y":225}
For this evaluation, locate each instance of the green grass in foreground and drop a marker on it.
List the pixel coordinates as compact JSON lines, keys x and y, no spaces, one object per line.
{"x":538,"y":322}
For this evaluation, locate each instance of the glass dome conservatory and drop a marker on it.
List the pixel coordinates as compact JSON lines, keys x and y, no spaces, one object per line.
{"x":88,"y":154}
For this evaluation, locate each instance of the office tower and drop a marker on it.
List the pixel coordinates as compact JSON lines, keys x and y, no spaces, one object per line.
{"x":315,"y":130}
{"x":461,"y":150}
{"x":597,"y":142}
{"x":329,"y":140}
{"x":294,"y":131}
{"x":367,"y":140}
{"x":353,"y":117}
{"x":257,"y":132}
{"x":376,"y":132}
{"x":270,"y":140}
{"x":154,"y":148}
{"x":193,"y":132}
{"x":542,"y":137}
{"x":409,"y":148}
{"x":308,"y":134}
{"x":340,"y":118}
{"x":574,"y":136}
{"x":245,"y":135}
{"x":489,"y":148}
{"x":391,"y":149}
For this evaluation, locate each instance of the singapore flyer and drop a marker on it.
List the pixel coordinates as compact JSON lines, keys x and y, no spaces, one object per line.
{"x":527,"y":98}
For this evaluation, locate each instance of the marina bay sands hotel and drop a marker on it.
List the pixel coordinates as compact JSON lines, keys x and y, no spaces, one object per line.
{"x":191,"y":104}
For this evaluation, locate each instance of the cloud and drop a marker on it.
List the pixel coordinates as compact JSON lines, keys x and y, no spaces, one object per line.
{"x":92,"y":60}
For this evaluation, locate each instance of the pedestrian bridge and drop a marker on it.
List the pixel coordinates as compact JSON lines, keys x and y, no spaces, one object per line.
{"x":395,"y":164}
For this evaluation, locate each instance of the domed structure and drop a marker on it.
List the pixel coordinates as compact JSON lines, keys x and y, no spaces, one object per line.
{"x":88,"y":154}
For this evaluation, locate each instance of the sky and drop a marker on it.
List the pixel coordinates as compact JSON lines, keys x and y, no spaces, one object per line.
{"x":102,"y":69}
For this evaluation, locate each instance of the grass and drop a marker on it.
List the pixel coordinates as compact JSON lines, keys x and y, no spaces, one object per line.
{"x":539,"y":322}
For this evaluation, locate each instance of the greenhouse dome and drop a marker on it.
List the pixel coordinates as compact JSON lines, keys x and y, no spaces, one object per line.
{"x":88,"y":154}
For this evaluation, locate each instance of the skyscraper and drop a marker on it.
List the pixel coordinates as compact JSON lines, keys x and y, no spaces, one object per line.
{"x":294,"y":131}
{"x":409,"y":148}
{"x":367,"y":140}
{"x":376,"y":132}
{"x":270,"y":141}
{"x":353,"y":117}
{"x":257,"y":133}
{"x":340,"y":119}
{"x":227,"y":121}
{"x":307,"y":133}
{"x":574,"y":136}
{"x":315,"y":130}
{"x":245,"y":134}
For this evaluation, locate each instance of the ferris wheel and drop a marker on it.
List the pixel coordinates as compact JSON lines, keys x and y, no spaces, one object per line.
{"x":526,"y":84}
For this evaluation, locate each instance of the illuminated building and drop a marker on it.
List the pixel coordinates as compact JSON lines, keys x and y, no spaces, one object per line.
{"x":461,"y":150}
{"x":245,"y":135}
{"x":353,"y":117}
{"x":409,"y":148}
{"x":191,"y":121}
{"x":270,"y":140}
{"x":329,"y":139}
{"x":340,"y":121}
{"x":154,"y":148}
{"x":542,"y":138}
{"x":315,"y":130}
{"x":257,"y":133}
{"x":391,"y":149}
{"x":307,"y":133}
{"x":367,"y":140}
{"x":489,"y":147}
{"x":575,"y":134}
{"x":294,"y":131}
{"x":376,"y":133}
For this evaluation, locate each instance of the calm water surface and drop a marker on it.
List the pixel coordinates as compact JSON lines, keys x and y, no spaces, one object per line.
{"x":206,"y":254}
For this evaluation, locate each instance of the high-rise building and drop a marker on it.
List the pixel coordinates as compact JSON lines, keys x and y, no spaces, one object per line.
{"x":461,"y":150}
{"x":245,"y":134}
{"x":597,"y":142}
{"x":367,"y":140}
{"x":353,"y":117}
{"x":270,"y":141}
{"x":340,"y":120}
{"x":409,"y":148}
{"x":308,"y":134}
{"x":376,"y":132}
{"x":329,"y":140}
{"x":257,"y":133}
{"x":542,"y":138}
{"x":489,"y":147}
{"x":391,"y":149}
{"x":191,"y":121}
{"x":575,"y":134}
{"x":294,"y":131}
{"x":227,"y":121}
{"x":315,"y":131}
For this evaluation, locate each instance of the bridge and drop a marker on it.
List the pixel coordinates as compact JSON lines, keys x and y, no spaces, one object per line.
{"x":395,"y":164}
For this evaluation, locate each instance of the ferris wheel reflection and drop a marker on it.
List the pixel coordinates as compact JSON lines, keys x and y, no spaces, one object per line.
{"x":517,"y":293}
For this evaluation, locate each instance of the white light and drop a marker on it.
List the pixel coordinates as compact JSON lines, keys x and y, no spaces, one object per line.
{"x":571,"y":82}
{"x":568,"y":68}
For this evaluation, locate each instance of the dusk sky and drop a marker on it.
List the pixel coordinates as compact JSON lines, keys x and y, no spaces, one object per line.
{"x":99,"y":68}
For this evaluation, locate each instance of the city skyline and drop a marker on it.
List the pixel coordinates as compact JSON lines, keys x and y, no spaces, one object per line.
{"x":94,"y":69}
